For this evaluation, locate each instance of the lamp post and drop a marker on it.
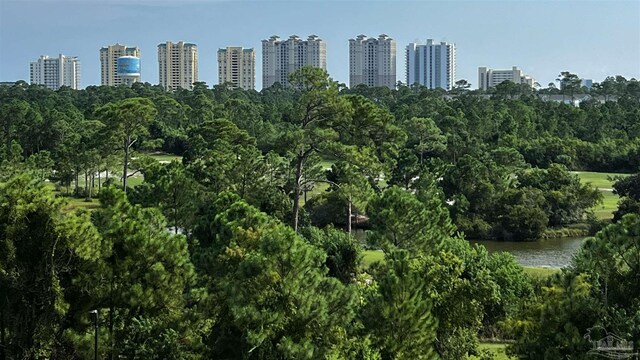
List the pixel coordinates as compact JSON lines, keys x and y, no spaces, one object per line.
{"x":95,"y":344}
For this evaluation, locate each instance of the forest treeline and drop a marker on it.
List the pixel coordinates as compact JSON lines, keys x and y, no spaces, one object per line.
{"x":244,"y":249}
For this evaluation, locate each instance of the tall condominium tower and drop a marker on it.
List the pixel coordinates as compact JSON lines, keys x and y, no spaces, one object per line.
{"x":237,"y":66}
{"x":372,"y":61}
{"x":281,"y":58}
{"x":488,"y":78}
{"x":56,"y":72}
{"x":431,"y":65}
{"x":178,"y":65}
{"x":109,"y":56}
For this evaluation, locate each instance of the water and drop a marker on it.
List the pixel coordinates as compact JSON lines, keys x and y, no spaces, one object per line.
{"x":553,"y":253}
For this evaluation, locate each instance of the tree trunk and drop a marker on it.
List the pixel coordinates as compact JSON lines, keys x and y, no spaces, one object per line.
{"x":349,"y":209}
{"x":3,"y":343}
{"x":126,"y":164}
{"x":92,"y":177}
{"x":87,"y":185}
{"x":296,"y":191}
{"x":111,"y":315}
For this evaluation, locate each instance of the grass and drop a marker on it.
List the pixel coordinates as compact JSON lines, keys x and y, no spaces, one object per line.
{"x":540,"y":272}
{"x":371,"y":256}
{"x":75,"y":203}
{"x":602,"y":182}
{"x":165,"y":157}
{"x":609,"y":205}
{"x":497,"y":350}
{"x":597,"y":179}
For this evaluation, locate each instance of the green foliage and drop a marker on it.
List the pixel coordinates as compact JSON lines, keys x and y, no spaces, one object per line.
{"x":599,"y":290}
{"x":417,"y":163}
{"x":566,"y":198}
{"x":628,"y":188}
{"x":343,"y":251}
{"x":40,"y":249}
{"x":144,"y":274}
{"x":271,"y":293}
{"x":399,"y":220}
{"x":397,"y":310}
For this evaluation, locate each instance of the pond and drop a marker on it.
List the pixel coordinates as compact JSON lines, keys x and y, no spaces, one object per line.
{"x":553,"y":253}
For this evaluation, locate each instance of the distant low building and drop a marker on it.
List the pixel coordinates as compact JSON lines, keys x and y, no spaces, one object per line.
{"x":576,"y":99}
{"x":56,"y":72}
{"x":488,"y":78}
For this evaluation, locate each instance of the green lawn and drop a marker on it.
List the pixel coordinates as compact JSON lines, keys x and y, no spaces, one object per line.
{"x":608,"y":206}
{"x":601,"y":181}
{"x":371,"y":256}
{"x":496,"y":349}
{"x":540,"y":272}
{"x":598,"y":180}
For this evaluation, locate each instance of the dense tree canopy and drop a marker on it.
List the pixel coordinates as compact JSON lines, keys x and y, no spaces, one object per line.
{"x":232,"y":246}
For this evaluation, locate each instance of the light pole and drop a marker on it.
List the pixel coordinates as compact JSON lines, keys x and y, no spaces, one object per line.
{"x":95,"y":344}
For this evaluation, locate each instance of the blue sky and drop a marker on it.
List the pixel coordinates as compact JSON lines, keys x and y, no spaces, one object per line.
{"x":591,"y":38}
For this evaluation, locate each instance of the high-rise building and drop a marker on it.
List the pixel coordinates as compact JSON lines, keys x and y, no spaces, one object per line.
{"x":237,"y":66}
{"x":109,"y":56}
{"x":488,"y":78}
{"x":56,"y":72}
{"x":431,"y":65}
{"x":178,"y":65}
{"x":372,"y":61}
{"x":281,"y":58}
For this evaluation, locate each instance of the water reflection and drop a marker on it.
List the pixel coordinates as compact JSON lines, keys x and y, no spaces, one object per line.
{"x":555,"y":253}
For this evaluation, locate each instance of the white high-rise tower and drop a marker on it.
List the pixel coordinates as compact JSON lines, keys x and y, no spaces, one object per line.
{"x":431,"y":65}
{"x":56,"y":72}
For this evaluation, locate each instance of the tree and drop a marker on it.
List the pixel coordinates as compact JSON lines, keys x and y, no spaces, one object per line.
{"x":126,"y":121}
{"x":569,"y":83}
{"x":171,"y":188}
{"x":399,"y":220}
{"x":311,"y":129}
{"x":40,"y":248}
{"x":397,"y":310}
{"x":426,"y":137}
{"x":628,"y":188}
{"x":144,"y":273}
{"x":600,"y":289}
{"x":270,"y":291}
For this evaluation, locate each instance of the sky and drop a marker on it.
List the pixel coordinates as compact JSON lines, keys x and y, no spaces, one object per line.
{"x":593,"y":39}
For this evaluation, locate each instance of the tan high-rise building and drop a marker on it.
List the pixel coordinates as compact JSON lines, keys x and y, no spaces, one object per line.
{"x":281,"y":58}
{"x":237,"y":66}
{"x":109,"y":56}
{"x":178,"y":65}
{"x":372,"y":61}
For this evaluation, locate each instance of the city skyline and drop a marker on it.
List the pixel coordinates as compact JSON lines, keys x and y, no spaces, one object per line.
{"x":541,"y":43}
